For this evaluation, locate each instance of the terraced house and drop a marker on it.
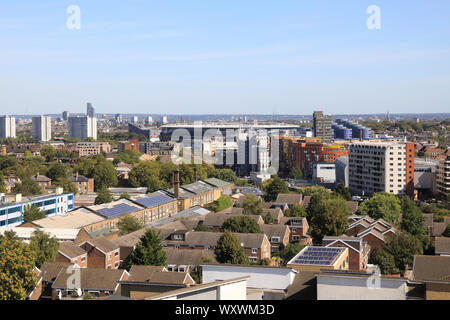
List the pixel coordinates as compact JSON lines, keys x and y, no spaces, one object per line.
{"x":256,"y":245}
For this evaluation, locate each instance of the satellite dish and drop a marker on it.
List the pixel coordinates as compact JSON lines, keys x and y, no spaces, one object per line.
{"x":79,"y":292}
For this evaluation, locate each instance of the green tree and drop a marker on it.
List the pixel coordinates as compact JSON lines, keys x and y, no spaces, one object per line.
{"x":382,"y":205}
{"x":385,"y":261}
{"x":295,"y":173}
{"x":241,"y":183}
{"x":446,"y":232}
{"x":241,"y":224}
{"x":329,"y":219}
{"x":104,"y":174}
{"x":402,"y":247}
{"x":2,"y":183}
{"x":220,"y":204}
{"x":147,"y":174}
{"x":202,"y":227}
{"x":297,"y":210}
{"x":28,"y":187}
{"x":229,"y":250}
{"x":17,"y":262}
{"x":44,"y":247}
{"x":59,"y":170}
{"x":314,"y":190}
{"x":125,"y":195}
{"x":276,"y":187}
{"x":343,"y":191}
{"x":252,"y":205}
{"x":268,"y":219}
{"x":288,"y":252}
{"x":224,"y":174}
{"x":48,"y":152}
{"x":128,"y":224}
{"x":149,"y":251}
{"x":412,"y":221}
{"x":103,"y":196}
{"x":33,"y":213}
{"x":66,"y":184}
{"x":128,"y":156}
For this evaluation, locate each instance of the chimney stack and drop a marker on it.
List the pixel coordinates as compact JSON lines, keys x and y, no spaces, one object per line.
{"x":176,"y":188}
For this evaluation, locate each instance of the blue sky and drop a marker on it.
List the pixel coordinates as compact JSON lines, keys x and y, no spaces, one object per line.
{"x":233,"y":57}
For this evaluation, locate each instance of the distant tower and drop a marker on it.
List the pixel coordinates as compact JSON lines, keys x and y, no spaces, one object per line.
{"x":90,"y":110}
{"x":65,"y":115}
{"x":388,"y":116}
{"x":42,"y":128}
{"x":7,"y":127}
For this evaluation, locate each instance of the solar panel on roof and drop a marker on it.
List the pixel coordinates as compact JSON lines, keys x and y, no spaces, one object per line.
{"x":154,"y":201}
{"x":117,"y":210}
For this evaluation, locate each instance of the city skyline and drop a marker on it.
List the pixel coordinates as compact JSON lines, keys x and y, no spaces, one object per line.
{"x":192,"y":58}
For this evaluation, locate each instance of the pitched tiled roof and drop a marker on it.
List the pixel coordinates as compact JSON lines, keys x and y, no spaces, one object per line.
{"x":41,"y":178}
{"x":442,"y":245}
{"x":428,"y":220}
{"x":353,"y":206}
{"x":274,"y":230}
{"x":306,"y":200}
{"x":103,"y":244}
{"x":187,"y":257}
{"x":217,"y":182}
{"x":289,"y":198}
{"x":431,"y":268}
{"x":354,"y":242}
{"x":200,"y":238}
{"x":156,"y":275}
{"x":91,"y":278}
{"x":70,"y":249}
{"x":439,"y":227}
{"x":78,"y":178}
{"x":50,"y":270}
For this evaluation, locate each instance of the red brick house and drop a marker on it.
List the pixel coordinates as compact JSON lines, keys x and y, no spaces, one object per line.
{"x":101,"y":253}
{"x":279,"y":235}
{"x":358,"y":250}
{"x":70,"y":252}
{"x":97,"y":282}
{"x":298,"y":226}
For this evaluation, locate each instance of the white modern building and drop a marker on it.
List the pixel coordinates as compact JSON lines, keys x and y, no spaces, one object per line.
{"x":324,"y":172}
{"x":381,"y":167}
{"x":339,"y":285}
{"x":341,"y":165}
{"x":7,"y":127}
{"x":42,"y":128}
{"x":262,"y":281}
{"x":83,"y":127}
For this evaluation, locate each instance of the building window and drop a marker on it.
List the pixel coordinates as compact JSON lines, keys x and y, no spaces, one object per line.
{"x":254,"y":250}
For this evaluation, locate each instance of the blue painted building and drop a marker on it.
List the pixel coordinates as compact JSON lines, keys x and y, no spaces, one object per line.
{"x":11,"y":213}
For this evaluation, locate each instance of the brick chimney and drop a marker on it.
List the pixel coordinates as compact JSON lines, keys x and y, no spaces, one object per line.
{"x":176,"y":188}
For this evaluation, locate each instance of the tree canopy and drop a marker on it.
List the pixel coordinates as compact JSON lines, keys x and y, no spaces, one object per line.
{"x":412,"y":221}
{"x":28,"y":187}
{"x":127,"y":156}
{"x":275,"y":187}
{"x":149,"y":251}
{"x":17,"y":261}
{"x":297,"y":210}
{"x":288,"y":252}
{"x":343,"y":191}
{"x":44,"y":247}
{"x":382,"y":205}
{"x":229,"y":250}
{"x":128,"y":224}
{"x":241,"y":224}
{"x":252,"y":205}
{"x":33,"y":213}
{"x":58,"y":170}
{"x":220,"y":204}
{"x":329,"y":218}
{"x":104,"y":196}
